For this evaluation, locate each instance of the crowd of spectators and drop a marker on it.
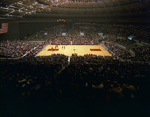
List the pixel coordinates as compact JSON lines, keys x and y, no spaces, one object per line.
{"x":86,"y":59}
{"x":125,"y":42}
{"x":118,"y":51}
{"x":44,"y":34}
{"x":83,"y":40}
{"x":47,"y":60}
{"x":16,"y":48}
{"x":140,"y":32}
{"x":65,"y":28}
{"x":103,"y":82}
{"x":89,"y":82}
{"x":61,"y":40}
{"x":142,"y":53}
{"x":121,"y":41}
{"x":54,"y":59}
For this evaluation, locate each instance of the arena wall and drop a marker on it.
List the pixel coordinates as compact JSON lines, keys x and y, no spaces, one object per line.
{"x":13,"y":32}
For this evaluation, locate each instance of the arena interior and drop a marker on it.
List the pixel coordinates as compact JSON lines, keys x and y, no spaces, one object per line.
{"x":80,"y":58}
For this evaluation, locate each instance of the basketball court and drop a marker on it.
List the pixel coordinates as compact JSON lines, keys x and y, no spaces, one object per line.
{"x":68,"y":50}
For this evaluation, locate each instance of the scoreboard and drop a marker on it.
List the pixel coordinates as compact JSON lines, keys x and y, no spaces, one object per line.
{"x":60,"y":20}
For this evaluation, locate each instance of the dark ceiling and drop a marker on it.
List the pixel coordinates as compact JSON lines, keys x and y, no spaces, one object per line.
{"x":74,"y":8}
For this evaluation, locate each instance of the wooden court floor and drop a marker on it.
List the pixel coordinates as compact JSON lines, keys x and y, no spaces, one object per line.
{"x":68,"y":50}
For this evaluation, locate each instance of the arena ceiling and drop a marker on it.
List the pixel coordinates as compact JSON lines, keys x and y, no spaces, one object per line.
{"x":74,"y":8}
